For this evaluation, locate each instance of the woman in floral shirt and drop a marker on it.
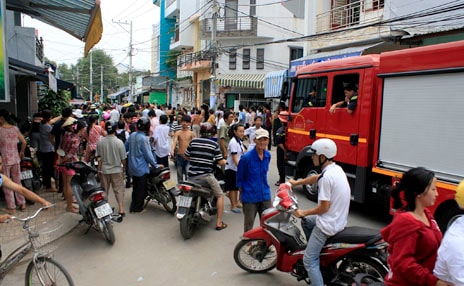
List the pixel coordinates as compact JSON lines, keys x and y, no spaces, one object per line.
{"x":93,"y":134}
{"x":9,"y":137}
{"x":73,"y":131}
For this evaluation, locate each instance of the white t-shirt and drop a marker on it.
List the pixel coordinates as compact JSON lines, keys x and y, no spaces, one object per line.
{"x":236,"y":148}
{"x":450,"y":261}
{"x":114,"y":115}
{"x":334,"y":187}
{"x":161,"y":135}
{"x":250,"y":132}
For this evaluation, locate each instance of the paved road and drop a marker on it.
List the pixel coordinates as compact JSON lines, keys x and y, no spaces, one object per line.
{"x":149,"y":250}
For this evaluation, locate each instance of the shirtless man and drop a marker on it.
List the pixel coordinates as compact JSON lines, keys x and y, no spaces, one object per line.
{"x":196,"y":121}
{"x":183,"y":137}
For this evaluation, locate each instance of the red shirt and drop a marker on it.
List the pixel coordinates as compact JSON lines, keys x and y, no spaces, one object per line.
{"x":412,"y":250}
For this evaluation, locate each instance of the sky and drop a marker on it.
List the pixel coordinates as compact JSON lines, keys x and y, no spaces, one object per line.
{"x":61,"y":47}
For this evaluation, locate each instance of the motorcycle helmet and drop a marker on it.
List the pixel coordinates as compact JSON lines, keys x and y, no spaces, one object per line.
{"x":111,"y":126}
{"x":143,"y":124}
{"x":460,"y":195}
{"x":326,"y":147}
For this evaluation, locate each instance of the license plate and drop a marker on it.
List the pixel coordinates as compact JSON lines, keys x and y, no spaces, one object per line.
{"x":184,"y":201}
{"x":103,"y":210}
{"x":169,"y":184}
{"x":26,"y":175}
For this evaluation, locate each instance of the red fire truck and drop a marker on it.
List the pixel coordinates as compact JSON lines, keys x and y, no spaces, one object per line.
{"x":409,"y":113}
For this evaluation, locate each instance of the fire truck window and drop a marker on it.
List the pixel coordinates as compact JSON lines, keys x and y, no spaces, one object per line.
{"x":310,"y":92}
{"x":339,"y":83}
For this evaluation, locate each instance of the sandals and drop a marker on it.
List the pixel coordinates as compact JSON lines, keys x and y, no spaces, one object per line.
{"x":236,"y":211}
{"x":22,"y":207}
{"x":223,"y":226}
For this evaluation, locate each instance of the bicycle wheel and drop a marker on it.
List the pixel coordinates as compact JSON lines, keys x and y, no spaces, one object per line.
{"x":47,"y":271}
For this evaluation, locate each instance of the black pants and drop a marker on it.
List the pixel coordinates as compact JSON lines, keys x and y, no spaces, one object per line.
{"x":47,"y":159}
{"x":163,"y":161}
{"x":139,"y":193}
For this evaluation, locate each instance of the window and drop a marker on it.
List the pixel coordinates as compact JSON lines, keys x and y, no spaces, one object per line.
{"x":231,"y":14}
{"x":259,"y":59}
{"x":252,"y":7}
{"x":246,"y":59}
{"x":310,"y":92}
{"x":373,"y":5}
{"x":232,"y":59}
{"x":296,"y":53}
{"x":339,"y":83}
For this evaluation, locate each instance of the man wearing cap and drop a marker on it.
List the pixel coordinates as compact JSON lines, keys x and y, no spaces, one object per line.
{"x":450,"y":261}
{"x":252,"y":179}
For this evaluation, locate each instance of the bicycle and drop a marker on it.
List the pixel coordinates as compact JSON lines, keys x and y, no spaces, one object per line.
{"x":42,"y":270}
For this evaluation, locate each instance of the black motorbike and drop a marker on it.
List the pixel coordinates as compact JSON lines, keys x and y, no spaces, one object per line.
{"x":162,"y":189}
{"x":196,"y":205}
{"x":92,"y":200}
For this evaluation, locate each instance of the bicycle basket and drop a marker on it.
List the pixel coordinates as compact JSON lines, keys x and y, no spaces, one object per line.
{"x":45,"y":237}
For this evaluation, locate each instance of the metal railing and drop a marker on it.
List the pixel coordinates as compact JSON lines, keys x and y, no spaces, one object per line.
{"x":229,"y":26}
{"x":194,"y":57}
{"x":348,"y":15}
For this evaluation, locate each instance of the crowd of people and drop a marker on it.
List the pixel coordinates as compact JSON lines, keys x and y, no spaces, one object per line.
{"x":127,"y":140}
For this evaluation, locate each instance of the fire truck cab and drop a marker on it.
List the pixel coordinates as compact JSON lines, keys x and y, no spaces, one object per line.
{"x":408,"y":114}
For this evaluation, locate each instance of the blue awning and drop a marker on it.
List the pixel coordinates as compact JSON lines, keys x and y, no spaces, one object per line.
{"x":328,"y":56}
{"x":273,"y":83}
{"x":119,"y":93}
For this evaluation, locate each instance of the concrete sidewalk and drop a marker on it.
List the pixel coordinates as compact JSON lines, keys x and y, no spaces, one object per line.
{"x":54,"y":222}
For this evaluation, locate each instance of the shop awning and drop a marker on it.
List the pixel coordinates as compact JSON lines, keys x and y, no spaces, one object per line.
{"x":118,"y":93}
{"x":242,"y":80}
{"x":330,"y":55}
{"x":39,"y":73}
{"x":273,"y":83}
{"x":80,"y":18}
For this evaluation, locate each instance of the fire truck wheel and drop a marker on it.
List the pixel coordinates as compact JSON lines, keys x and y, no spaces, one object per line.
{"x":309,"y":190}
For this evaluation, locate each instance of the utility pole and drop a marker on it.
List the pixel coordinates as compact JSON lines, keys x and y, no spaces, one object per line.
{"x":101,"y":83}
{"x":91,"y":78}
{"x":131,"y":93}
{"x":214,"y":52}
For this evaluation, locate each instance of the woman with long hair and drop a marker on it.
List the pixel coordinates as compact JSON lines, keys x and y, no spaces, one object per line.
{"x":235,"y":150}
{"x":93,"y":134}
{"x":413,"y":236}
{"x":73,"y":132}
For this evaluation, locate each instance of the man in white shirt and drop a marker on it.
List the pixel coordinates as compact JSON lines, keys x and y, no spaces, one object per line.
{"x":160,"y":140}
{"x":331,"y":214}
{"x":450,"y":261}
{"x":250,"y":132}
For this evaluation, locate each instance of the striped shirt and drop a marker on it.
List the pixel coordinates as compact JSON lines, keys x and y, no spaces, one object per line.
{"x":203,"y":154}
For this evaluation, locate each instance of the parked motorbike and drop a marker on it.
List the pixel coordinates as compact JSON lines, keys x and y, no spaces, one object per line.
{"x":30,"y":177}
{"x":92,"y":201}
{"x":162,"y":189}
{"x":278,"y":243}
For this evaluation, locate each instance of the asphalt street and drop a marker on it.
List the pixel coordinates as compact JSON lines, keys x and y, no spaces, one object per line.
{"x":149,"y":250}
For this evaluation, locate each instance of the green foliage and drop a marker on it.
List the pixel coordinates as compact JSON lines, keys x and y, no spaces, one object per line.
{"x":171,"y":60}
{"x":100,"y":61}
{"x":55,"y":102}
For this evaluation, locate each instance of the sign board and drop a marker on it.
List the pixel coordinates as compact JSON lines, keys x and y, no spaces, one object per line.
{"x":158,"y":97}
{"x":4,"y":89}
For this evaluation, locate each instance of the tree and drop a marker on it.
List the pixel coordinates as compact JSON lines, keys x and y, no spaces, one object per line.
{"x":100,"y":60}
{"x":55,"y":102}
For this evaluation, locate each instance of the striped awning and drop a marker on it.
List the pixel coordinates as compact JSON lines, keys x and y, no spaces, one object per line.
{"x":273,"y":83}
{"x":242,"y":80}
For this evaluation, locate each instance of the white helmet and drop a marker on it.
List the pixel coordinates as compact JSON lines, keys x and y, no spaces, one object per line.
{"x":324,"y":147}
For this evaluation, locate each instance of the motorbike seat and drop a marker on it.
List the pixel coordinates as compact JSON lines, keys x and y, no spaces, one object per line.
{"x":157,"y":171}
{"x":89,"y":189}
{"x":356,"y":234}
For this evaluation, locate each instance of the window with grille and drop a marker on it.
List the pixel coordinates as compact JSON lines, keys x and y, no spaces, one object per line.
{"x":246,"y":59}
{"x":232,"y":59}
{"x":252,"y":7}
{"x":259,"y":59}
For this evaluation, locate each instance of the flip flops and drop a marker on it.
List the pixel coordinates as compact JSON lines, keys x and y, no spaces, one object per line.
{"x":236,"y":211}
{"x":223,"y":226}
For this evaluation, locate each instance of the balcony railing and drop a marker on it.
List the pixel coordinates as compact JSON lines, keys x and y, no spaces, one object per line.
{"x":230,"y":27}
{"x":175,"y":38}
{"x":352,"y":14}
{"x":39,"y":52}
{"x":195,"y":61}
